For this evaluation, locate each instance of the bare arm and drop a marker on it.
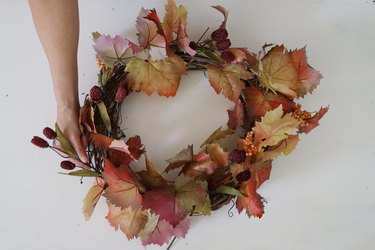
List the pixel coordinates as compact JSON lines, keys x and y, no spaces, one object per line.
{"x":57,"y":24}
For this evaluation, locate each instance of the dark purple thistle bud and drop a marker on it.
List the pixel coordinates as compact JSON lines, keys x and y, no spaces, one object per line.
{"x":67,"y":165}
{"x":39,"y":142}
{"x":237,"y":156}
{"x":96,"y":94}
{"x":243,"y":176}
{"x":227,"y":56}
{"x":223,"y":45}
{"x":193,"y":45}
{"x":49,"y":133}
{"x":121,"y":92}
{"x":219,"y":34}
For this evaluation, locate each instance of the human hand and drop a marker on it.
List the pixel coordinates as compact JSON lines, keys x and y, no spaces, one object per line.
{"x":68,"y":121}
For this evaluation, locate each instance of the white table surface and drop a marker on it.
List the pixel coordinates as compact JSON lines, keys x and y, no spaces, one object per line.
{"x":320,"y":197}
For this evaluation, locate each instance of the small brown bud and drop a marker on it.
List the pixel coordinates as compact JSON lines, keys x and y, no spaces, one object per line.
{"x":243,"y":176}
{"x":67,"y":165}
{"x":49,"y":133}
{"x":121,"y":92}
{"x":39,"y":142}
{"x":227,"y":56}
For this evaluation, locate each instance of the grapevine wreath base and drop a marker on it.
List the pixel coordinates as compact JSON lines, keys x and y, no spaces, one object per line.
{"x":263,"y":87}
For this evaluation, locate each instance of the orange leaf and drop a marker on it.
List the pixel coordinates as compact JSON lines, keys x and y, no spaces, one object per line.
{"x":123,"y":190}
{"x":161,"y":76}
{"x":258,"y":103}
{"x":253,"y":203}
{"x":217,"y":154}
{"x":278,"y":72}
{"x":87,"y":117}
{"x":227,"y":79}
{"x":309,"y":77}
{"x":151,"y":178}
{"x":313,"y":121}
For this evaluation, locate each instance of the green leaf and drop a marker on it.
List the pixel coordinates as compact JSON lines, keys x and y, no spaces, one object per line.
{"x":229,"y":190}
{"x":95,"y":35}
{"x":83,"y":173}
{"x":104,"y":115}
{"x":217,"y":135}
{"x":65,"y":143}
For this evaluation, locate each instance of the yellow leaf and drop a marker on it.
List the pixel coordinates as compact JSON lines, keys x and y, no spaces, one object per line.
{"x":274,"y":127}
{"x":92,"y":198}
{"x":285,"y":147}
{"x":227,"y":79}
{"x":278,"y":72}
{"x":217,"y":135}
{"x":162,"y":76}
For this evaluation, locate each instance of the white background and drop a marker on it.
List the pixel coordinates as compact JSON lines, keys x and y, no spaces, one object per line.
{"x":320,"y":197}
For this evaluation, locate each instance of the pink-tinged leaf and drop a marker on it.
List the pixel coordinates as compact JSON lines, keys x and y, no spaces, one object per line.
{"x":149,"y":35}
{"x":309,"y":77}
{"x":112,"y":50}
{"x":120,"y":146}
{"x":278,"y":72}
{"x":200,"y":169}
{"x":182,"y":228}
{"x":160,"y":235}
{"x":183,"y":157}
{"x":150,"y":177}
{"x":313,"y":121}
{"x":259,"y":103}
{"x":123,"y":190}
{"x":224,"y":12}
{"x":183,"y":42}
{"x":161,"y":76}
{"x":285,"y":147}
{"x":92,"y":198}
{"x":235,"y":116}
{"x":227,"y":79}
{"x":217,"y":154}
{"x":130,"y":221}
{"x":241,"y":54}
{"x":253,"y":203}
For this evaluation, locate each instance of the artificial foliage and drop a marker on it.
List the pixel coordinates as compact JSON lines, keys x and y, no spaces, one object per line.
{"x":266,"y":120}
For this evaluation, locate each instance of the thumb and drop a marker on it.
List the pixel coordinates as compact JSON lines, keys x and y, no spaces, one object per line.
{"x":78,"y":147}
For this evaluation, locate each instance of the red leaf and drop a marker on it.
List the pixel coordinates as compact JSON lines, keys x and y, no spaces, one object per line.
{"x":258,"y":103}
{"x":123,"y":190}
{"x":235,"y":116}
{"x":313,"y":121}
{"x":253,"y":203}
{"x":136,"y":147}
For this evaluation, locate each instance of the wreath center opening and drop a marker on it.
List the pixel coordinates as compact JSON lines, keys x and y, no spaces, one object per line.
{"x":166,"y":125}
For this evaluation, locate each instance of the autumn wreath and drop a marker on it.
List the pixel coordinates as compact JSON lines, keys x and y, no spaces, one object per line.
{"x":263,"y":88}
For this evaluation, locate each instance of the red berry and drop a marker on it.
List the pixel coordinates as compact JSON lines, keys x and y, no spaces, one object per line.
{"x":237,"y":156}
{"x":67,"y":165}
{"x":243,"y":176}
{"x":219,"y":34}
{"x":223,"y":45}
{"x":96,"y":94}
{"x":39,"y":142}
{"x":227,"y":56}
{"x":49,"y":133}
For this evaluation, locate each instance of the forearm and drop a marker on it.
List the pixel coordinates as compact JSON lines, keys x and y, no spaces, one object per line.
{"x":57,"y":24}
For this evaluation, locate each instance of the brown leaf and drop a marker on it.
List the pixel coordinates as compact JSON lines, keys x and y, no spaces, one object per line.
{"x":183,"y":157}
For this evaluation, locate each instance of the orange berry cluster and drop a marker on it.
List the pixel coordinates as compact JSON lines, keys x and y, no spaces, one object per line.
{"x":250,"y":148}
{"x":302,"y":115}
{"x":99,"y":63}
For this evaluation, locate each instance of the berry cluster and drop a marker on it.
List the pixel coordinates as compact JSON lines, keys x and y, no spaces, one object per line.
{"x":302,"y":115}
{"x":250,"y":148}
